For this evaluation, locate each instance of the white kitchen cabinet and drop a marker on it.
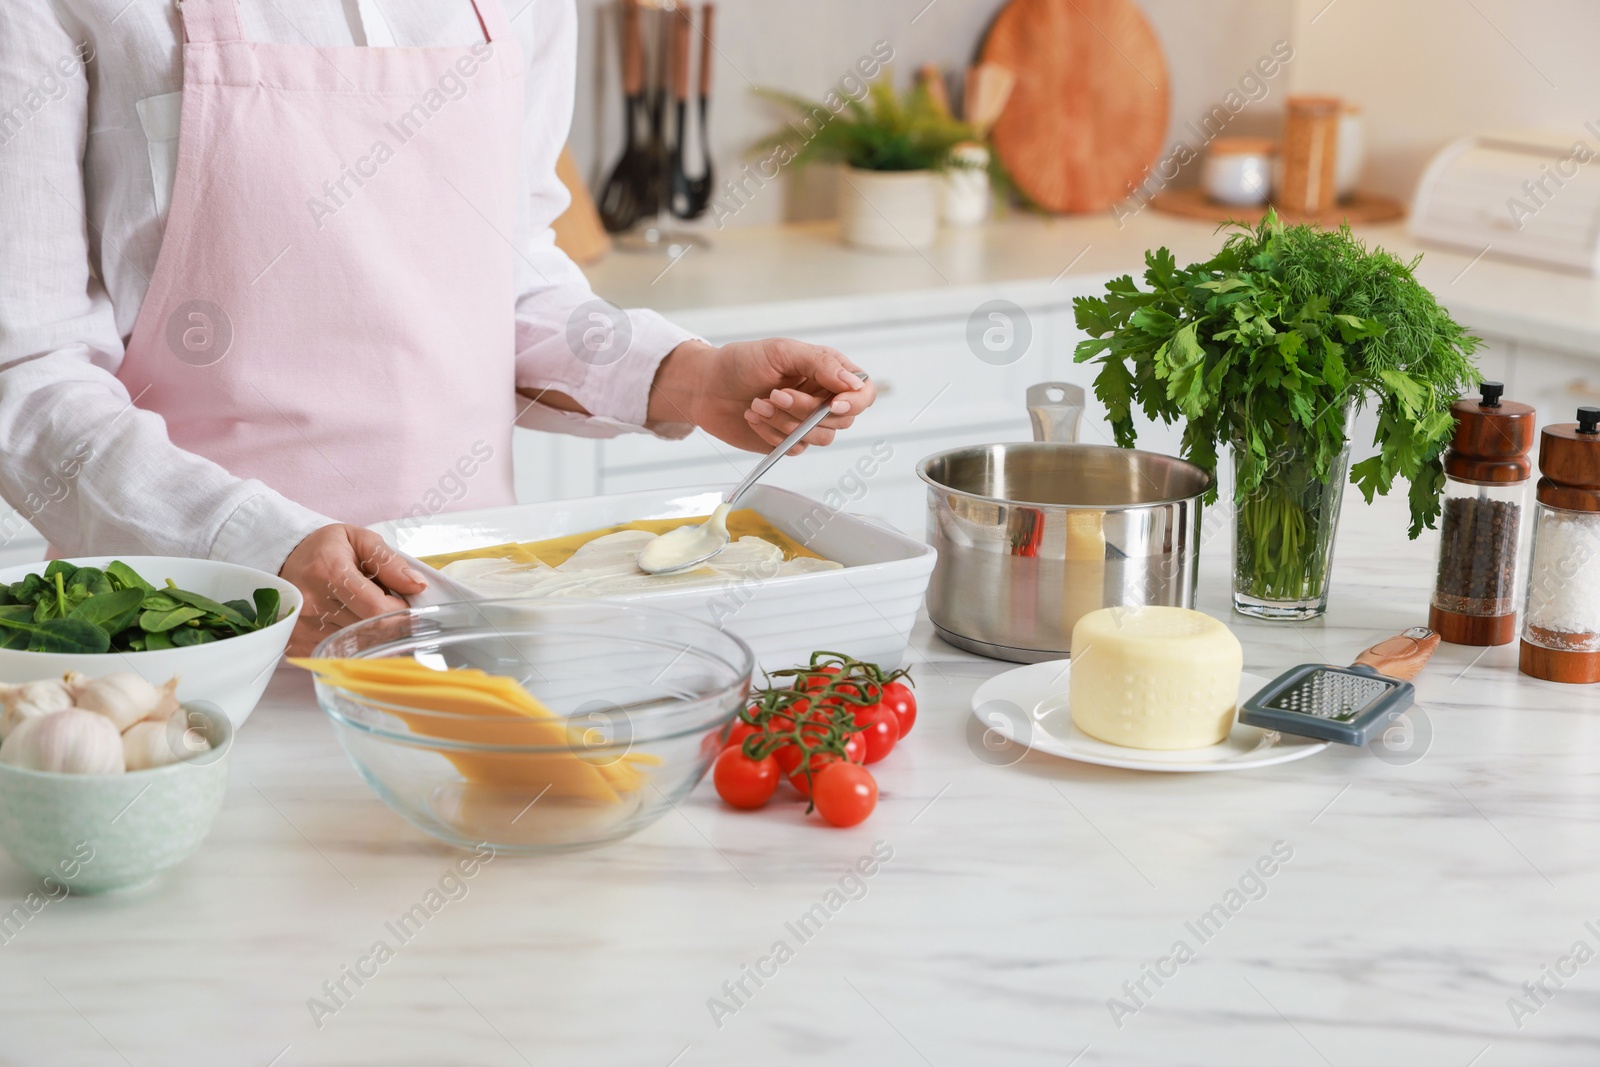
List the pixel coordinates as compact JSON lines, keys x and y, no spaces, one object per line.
{"x":1557,"y":383}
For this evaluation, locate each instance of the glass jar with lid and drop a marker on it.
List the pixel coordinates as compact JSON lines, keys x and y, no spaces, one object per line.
{"x":1487,"y":470}
{"x":1561,"y":623}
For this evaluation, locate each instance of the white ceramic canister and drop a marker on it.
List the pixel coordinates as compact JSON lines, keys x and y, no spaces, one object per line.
{"x":888,"y":211}
{"x":1352,"y":150}
{"x":964,"y":192}
{"x":1238,"y":170}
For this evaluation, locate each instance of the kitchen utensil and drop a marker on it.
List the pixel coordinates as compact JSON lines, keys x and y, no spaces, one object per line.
{"x":95,"y":833}
{"x":696,"y":190}
{"x":988,"y":88}
{"x":654,"y":233}
{"x":1344,"y":704}
{"x":627,"y":683}
{"x":1028,"y":706}
{"x":867,"y":609}
{"x":690,"y":546}
{"x":1486,"y":471}
{"x":1238,"y":170}
{"x":1561,"y":622}
{"x":579,"y":231}
{"x":931,"y":78}
{"x":1088,"y":116}
{"x":678,"y":179}
{"x":1310,"y":154}
{"x":1032,"y":536}
{"x":654,"y":176}
{"x":231,"y":674}
{"x":621,"y":200}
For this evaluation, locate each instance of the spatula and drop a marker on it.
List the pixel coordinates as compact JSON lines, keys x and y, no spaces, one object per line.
{"x":1344,"y":704}
{"x":619,"y":199}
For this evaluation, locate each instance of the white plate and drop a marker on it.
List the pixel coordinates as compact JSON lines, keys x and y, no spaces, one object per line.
{"x":1029,"y":706}
{"x":866,"y":610}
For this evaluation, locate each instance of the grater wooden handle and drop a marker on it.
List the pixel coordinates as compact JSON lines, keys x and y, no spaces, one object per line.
{"x":1403,"y":655}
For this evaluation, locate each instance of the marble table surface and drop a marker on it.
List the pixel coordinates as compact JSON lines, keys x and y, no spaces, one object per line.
{"x":1021,"y":908}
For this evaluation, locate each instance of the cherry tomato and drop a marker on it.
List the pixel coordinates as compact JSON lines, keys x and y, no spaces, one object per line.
{"x":739,"y":732}
{"x":819,"y":760}
{"x":742,"y":782}
{"x":897,"y":697}
{"x":817,"y":679}
{"x":882,"y":730}
{"x":845,"y":793}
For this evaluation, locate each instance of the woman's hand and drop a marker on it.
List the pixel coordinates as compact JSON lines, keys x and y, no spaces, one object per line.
{"x":346,"y":574}
{"x":752,"y":394}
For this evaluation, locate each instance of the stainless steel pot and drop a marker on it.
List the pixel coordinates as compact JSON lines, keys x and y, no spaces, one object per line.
{"x":1033,"y":535}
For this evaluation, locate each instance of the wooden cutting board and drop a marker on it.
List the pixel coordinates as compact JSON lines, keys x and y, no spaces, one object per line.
{"x":1089,"y":112}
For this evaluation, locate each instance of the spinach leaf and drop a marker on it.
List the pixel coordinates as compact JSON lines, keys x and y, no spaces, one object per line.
{"x":29,"y":590}
{"x":125,"y":577}
{"x":87,"y":582}
{"x":5,"y":596}
{"x":153,"y":642}
{"x":266,"y":612}
{"x":159,"y":622}
{"x":185,"y":636}
{"x":61,"y":567}
{"x":159,"y":601}
{"x":112,"y":612}
{"x":60,"y":635}
{"x":243,"y":607}
{"x":208,"y":606}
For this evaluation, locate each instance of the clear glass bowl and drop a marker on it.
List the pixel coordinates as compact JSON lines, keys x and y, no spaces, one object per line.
{"x":640,"y":697}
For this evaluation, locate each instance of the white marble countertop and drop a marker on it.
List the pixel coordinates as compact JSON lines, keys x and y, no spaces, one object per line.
{"x":799,"y":277}
{"x":1020,"y":896}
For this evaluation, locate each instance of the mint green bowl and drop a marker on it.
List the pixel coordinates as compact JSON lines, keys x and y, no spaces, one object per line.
{"x":95,"y":833}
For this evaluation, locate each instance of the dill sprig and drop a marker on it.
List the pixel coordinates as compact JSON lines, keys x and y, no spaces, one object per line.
{"x":1269,"y":343}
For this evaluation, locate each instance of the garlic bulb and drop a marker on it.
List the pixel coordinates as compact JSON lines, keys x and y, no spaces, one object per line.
{"x":30,"y":700}
{"x":72,"y":741}
{"x":124,"y":698}
{"x":156,"y":743}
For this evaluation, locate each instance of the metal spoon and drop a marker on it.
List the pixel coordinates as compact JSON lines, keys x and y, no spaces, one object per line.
{"x":689,"y":546}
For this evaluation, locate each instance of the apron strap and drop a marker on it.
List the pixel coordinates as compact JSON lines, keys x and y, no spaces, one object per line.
{"x":492,"y":17}
{"x":208,"y":21}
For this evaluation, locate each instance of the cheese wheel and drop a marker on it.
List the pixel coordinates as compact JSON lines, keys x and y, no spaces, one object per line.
{"x":1160,"y":678}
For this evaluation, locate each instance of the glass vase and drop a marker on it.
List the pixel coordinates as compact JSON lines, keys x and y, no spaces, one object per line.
{"x":1283,"y":535}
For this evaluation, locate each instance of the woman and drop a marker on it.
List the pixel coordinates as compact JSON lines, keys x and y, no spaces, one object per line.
{"x":271,"y":270}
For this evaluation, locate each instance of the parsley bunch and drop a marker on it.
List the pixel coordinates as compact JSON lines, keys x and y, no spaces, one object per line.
{"x":1268,"y":344}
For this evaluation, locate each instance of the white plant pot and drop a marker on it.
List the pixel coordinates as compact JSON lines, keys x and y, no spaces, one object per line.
{"x":888,"y":211}
{"x":964,"y":191}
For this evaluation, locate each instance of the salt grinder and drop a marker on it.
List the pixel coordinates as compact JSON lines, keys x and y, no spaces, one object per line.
{"x":1561,"y":623}
{"x":1487,"y":470}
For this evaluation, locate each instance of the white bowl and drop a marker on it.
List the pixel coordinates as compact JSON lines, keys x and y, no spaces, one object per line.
{"x":865,"y":610}
{"x":232,"y":674}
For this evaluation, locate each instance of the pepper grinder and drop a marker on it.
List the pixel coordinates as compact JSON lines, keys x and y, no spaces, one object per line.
{"x":1487,"y":470}
{"x":1561,"y":624}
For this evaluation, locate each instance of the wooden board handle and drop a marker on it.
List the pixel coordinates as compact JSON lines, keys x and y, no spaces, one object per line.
{"x":632,"y":49}
{"x":706,"y":51}
{"x":681,"y":28}
{"x":1401,"y":656}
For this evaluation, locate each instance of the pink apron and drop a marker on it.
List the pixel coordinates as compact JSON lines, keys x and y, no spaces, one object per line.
{"x":332,"y":308}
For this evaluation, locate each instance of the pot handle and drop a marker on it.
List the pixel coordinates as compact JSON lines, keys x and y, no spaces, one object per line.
{"x":1055,"y":409}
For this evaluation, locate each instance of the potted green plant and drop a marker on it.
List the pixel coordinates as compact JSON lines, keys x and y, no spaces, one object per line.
{"x":890,"y":148}
{"x":1270,"y":347}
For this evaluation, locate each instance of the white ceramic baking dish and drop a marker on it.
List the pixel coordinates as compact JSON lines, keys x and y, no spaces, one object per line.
{"x":865,"y":610}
